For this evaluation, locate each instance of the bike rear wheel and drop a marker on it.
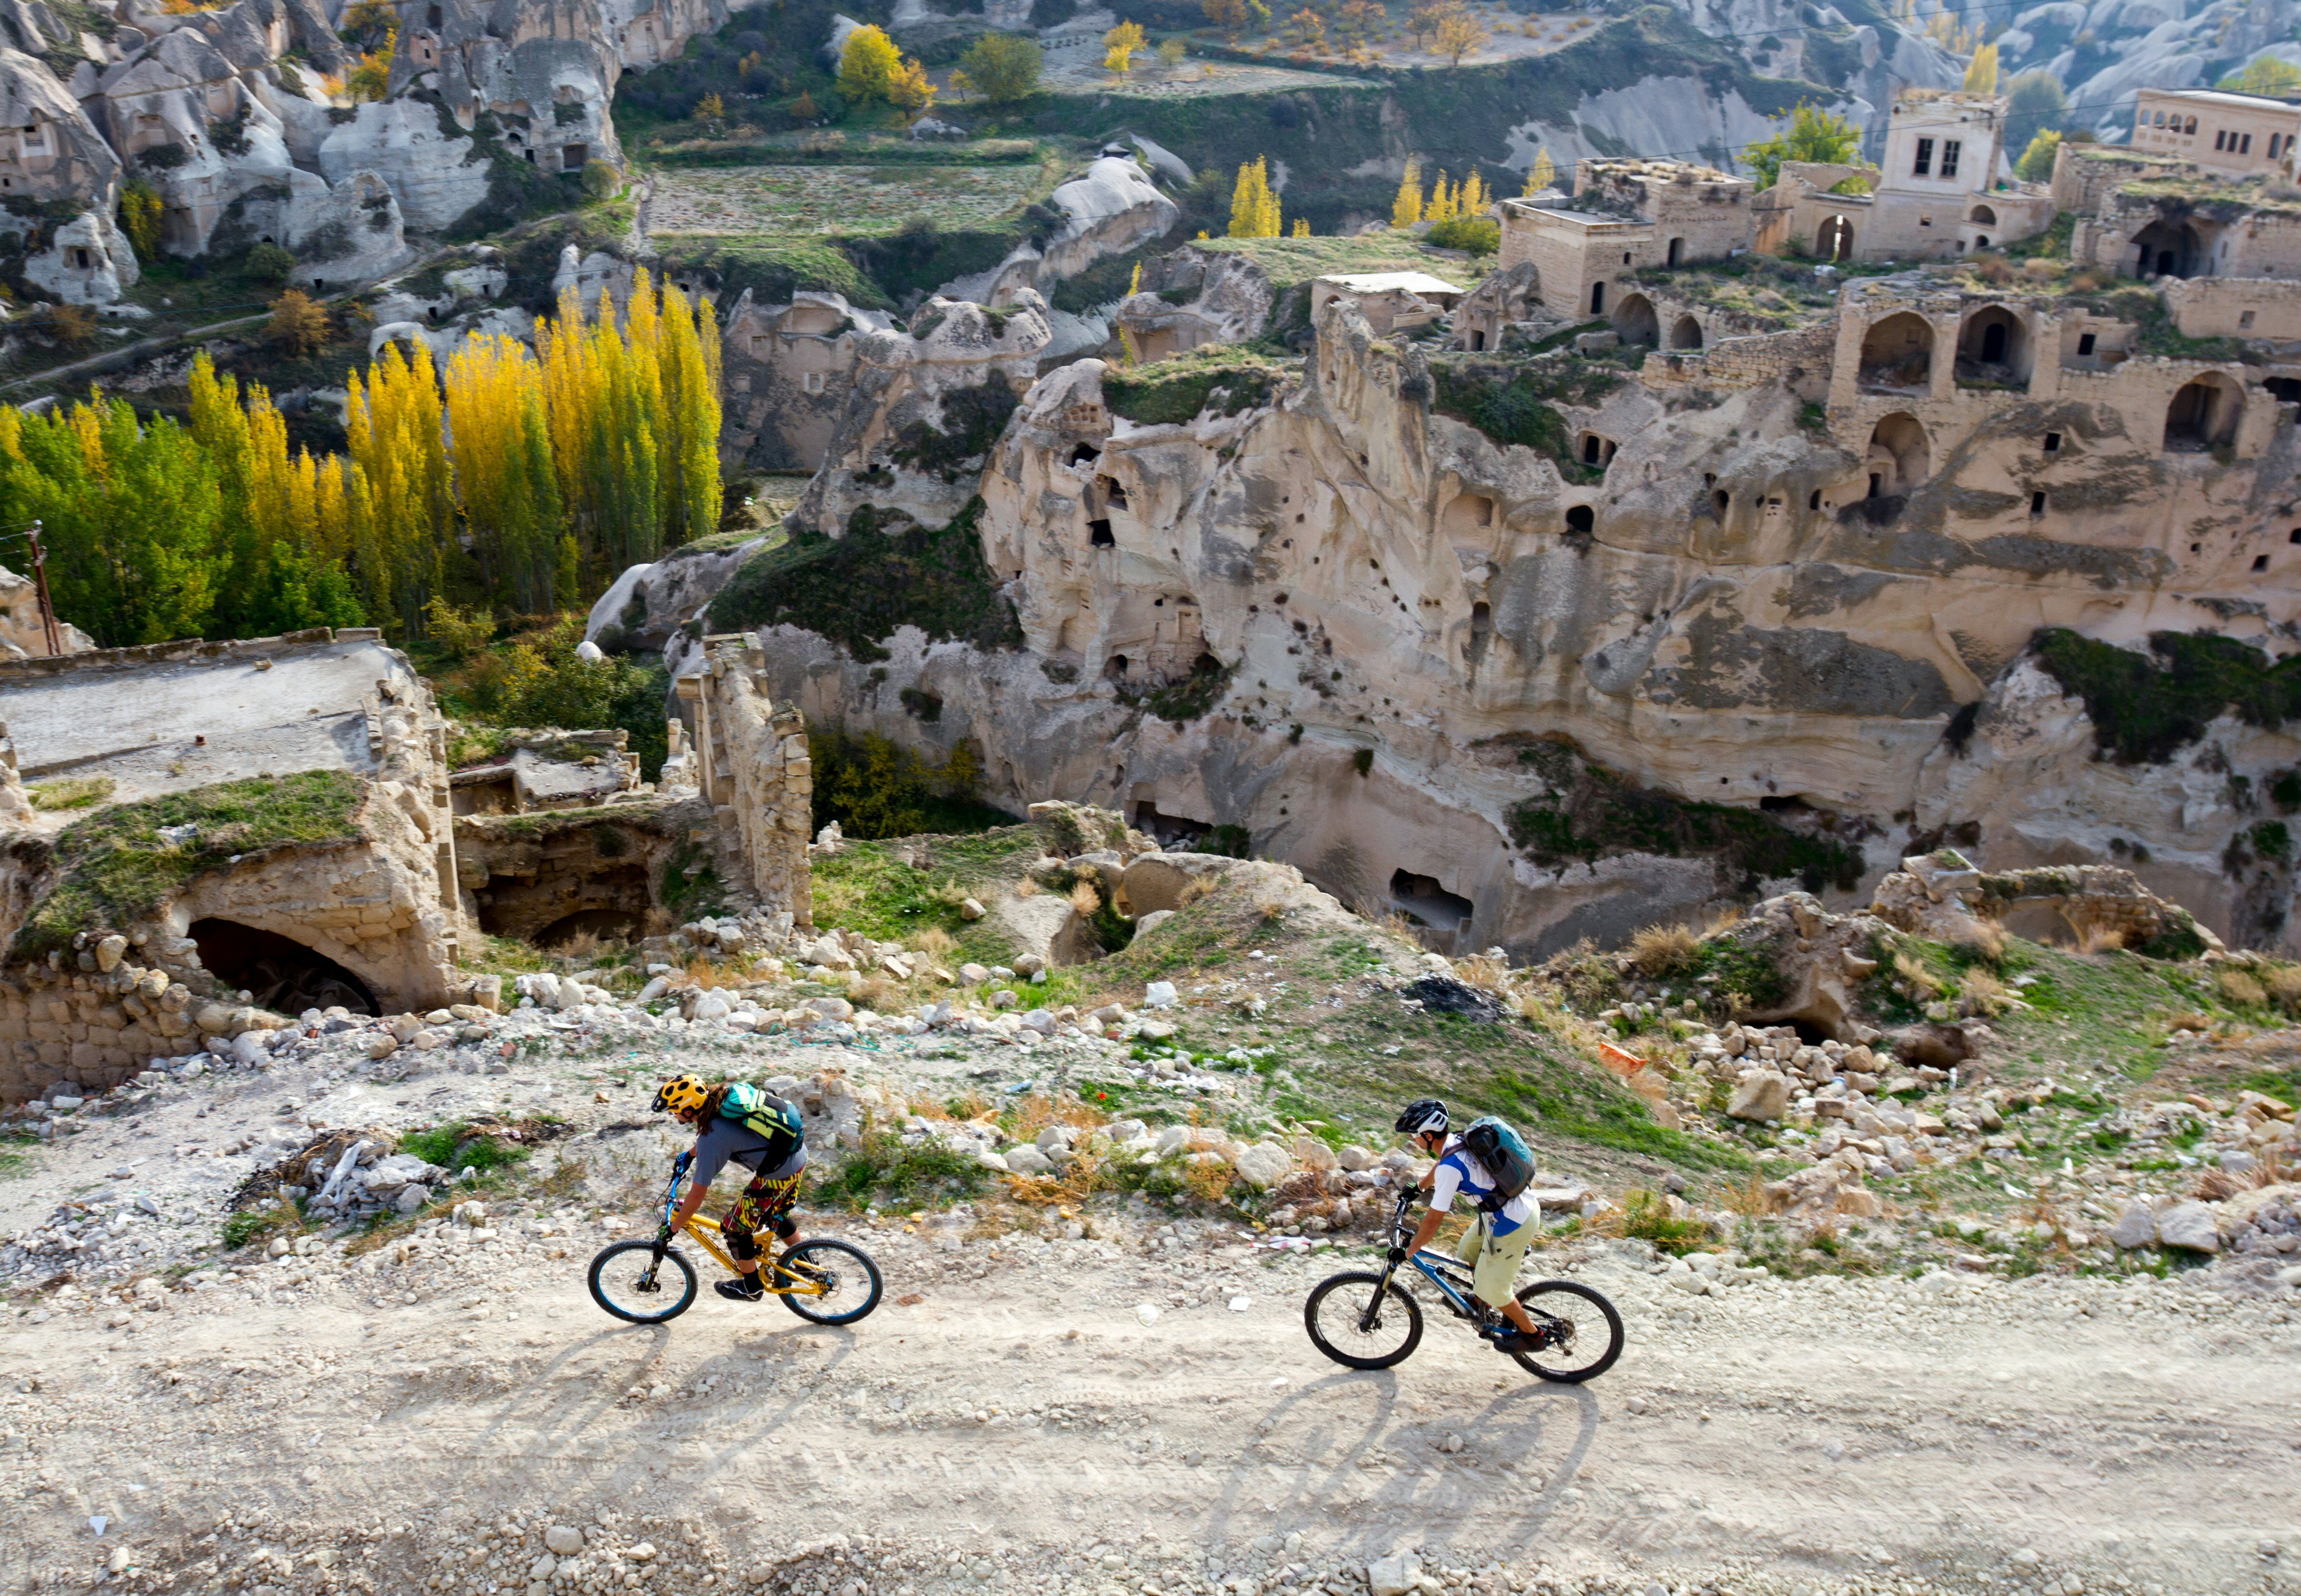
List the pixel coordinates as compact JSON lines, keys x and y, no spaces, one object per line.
{"x":849,"y":1280}
{"x":1354,"y":1320}
{"x":1587,"y":1331}
{"x":629,"y":1282}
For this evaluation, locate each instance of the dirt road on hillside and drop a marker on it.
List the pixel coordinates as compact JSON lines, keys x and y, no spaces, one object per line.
{"x":1019,"y":1427}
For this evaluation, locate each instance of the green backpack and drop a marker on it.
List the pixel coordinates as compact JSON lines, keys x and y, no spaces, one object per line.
{"x":757,"y":1109}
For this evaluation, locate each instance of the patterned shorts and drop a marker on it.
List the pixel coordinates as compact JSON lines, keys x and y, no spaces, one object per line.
{"x":765,"y":1205}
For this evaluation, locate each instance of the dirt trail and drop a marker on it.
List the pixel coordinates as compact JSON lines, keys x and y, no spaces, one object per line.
{"x":1793,"y":1435}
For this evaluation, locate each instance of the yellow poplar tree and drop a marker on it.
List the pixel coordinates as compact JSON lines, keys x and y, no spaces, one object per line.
{"x":1541,"y":173}
{"x":1406,"y":210}
{"x":1441,"y":206}
{"x":1253,"y":207}
{"x":505,"y":478}
{"x":1471,"y":199}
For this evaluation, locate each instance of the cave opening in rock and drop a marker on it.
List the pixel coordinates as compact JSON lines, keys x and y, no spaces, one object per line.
{"x":278,"y":973}
{"x":1426,"y":901}
{"x":1581,"y":518}
{"x":2203,"y":414}
{"x":599,"y":925}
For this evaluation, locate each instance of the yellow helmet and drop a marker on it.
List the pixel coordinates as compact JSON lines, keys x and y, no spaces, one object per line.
{"x":681,"y":1094}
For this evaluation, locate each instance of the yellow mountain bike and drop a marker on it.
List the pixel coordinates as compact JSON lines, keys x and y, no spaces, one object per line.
{"x":824,"y":1282}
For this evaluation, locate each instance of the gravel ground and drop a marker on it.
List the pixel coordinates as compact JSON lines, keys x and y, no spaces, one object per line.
{"x":1121,"y":1402}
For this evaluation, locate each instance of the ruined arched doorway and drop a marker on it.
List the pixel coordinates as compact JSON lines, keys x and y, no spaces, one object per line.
{"x":1834,"y":240}
{"x":1686,"y":334}
{"x":1898,"y":352}
{"x":278,"y":973}
{"x":1636,"y":320}
{"x":1900,"y":456}
{"x":1993,"y":346}
{"x":2203,"y":414}
{"x":2167,"y":249}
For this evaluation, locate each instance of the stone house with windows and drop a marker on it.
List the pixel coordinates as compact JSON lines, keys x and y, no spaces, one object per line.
{"x":2215,"y":130}
{"x":1624,"y":216}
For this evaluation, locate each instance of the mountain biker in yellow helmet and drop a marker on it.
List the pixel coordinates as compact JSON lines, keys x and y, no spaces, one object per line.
{"x":759,"y":1132}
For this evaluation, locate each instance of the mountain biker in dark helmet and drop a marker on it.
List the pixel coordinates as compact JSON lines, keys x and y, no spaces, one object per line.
{"x":759,"y":1132}
{"x":1493,"y":1244}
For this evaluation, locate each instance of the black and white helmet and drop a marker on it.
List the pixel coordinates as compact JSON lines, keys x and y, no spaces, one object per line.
{"x":1423,"y":1116}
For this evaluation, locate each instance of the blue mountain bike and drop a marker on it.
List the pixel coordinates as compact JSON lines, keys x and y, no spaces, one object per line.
{"x":1367,"y":1319}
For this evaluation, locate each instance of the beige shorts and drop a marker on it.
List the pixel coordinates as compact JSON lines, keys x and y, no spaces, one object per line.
{"x":1493,"y":1261}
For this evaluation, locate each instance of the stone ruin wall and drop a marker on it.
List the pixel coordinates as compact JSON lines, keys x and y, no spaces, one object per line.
{"x":750,"y":765}
{"x":1797,"y":359}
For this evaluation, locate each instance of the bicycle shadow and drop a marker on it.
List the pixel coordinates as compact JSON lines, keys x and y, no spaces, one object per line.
{"x":1511,"y":1428}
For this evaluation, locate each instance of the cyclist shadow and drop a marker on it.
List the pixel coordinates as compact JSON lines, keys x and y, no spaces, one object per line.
{"x":1512,"y":1429}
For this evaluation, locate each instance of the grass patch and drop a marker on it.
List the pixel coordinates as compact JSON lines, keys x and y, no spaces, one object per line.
{"x":1516,"y":405}
{"x":860,"y":589}
{"x":114,"y":867}
{"x":69,"y":792}
{"x":456,"y":1147}
{"x":2145,"y":706}
{"x":885,"y":1172}
{"x":865,"y":888}
{"x":252,"y":1226}
{"x":1220,"y":378}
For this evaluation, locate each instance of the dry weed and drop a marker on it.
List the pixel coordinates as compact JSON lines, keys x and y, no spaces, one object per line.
{"x":933,"y":942}
{"x":1659,"y":949}
{"x":875,"y":991}
{"x":1086,"y":901}
{"x":2219,"y":1185}
{"x":1982,"y":939}
{"x":1921,"y":981}
{"x":1193,"y":890}
{"x":2240,"y":988}
{"x":579,"y":948}
{"x":2100,"y":939}
{"x":2283,"y":983}
{"x":1028,"y":887}
{"x":1750,"y":1199}
{"x":1271,"y":910}
{"x":1208,"y":1181}
{"x":1984,"y":990}
{"x":1487,"y":974}
{"x":703,"y":974}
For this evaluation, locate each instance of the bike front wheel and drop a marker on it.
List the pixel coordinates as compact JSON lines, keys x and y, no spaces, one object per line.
{"x":1361,"y":1324}
{"x":631,"y":1284}
{"x":1582,"y":1333}
{"x":828,"y":1283}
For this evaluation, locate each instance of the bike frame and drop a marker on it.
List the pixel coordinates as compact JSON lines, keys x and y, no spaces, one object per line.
{"x":785,"y":1283}
{"x":1441,"y":1269}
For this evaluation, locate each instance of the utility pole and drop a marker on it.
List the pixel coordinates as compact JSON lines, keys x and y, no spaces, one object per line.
{"x":49,"y":628}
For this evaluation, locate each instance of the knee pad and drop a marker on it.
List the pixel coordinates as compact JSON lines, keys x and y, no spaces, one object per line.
{"x":742,"y":1244}
{"x":784,"y":1228}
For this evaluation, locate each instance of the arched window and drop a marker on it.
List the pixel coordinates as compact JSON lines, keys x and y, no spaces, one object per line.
{"x":1983,"y":216}
{"x":1898,"y":352}
{"x":2203,"y":414}
{"x":1686,"y":334}
{"x":1636,"y":320}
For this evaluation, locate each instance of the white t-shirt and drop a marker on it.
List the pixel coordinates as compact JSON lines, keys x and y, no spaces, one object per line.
{"x":1459,"y":1171}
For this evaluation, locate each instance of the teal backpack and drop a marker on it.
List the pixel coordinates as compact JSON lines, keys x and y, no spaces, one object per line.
{"x":756,"y":1108}
{"x":1506,"y":1156}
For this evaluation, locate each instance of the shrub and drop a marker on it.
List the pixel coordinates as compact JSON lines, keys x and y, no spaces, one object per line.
{"x":1480,"y":235}
{"x":2144,"y":707}
{"x":456,"y":1147}
{"x":1661,"y":951}
{"x":298,"y":325}
{"x":601,"y":180}
{"x":268,"y":262}
{"x":1002,"y":67}
{"x":2241,"y":989}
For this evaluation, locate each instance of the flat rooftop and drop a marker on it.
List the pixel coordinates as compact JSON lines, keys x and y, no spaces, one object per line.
{"x":1385,"y":282}
{"x":268,"y":710}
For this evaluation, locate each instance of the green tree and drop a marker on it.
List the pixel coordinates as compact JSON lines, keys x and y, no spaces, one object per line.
{"x":2037,"y":162}
{"x":1003,"y":68}
{"x":1813,"y":135}
{"x":867,"y":64}
{"x":132,"y":516}
{"x":2266,"y":76}
{"x":2033,"y":102}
